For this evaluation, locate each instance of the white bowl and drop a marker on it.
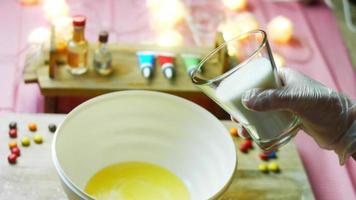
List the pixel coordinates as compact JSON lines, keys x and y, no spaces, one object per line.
{"x":144,"y":126}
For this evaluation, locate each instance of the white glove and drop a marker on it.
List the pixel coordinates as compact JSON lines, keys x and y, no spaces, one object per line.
{"x":326,"y":115}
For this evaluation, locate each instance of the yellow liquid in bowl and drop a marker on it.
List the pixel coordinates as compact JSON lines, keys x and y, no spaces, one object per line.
{"x":136,"y":181}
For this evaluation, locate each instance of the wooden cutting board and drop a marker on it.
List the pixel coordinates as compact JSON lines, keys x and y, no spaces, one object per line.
{"x":34,"y":176}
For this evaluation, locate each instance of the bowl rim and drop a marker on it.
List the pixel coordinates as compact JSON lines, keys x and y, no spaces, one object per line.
{"x":74,"y":188}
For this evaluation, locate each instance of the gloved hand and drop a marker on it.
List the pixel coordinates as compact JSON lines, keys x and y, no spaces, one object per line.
{"x":326,"y":115}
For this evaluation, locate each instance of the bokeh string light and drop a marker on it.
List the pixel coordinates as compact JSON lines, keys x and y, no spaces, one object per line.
{"x":55,"y":9}
{"x":166,"y":14}
{"x":236,"y":5}
{"x":280,"y":29}
{"x":165,"y":17}
{"x":241,"y":23}
{"x":170,"y":38}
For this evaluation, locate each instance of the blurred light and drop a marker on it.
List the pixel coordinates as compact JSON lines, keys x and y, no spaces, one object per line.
{"x":39,"y":36}
{"x":280,"y":29}
{"x":237,"y":5}
{"x":166,"y":13}
{"x":64,"y":28}
{"x":55,"y":9}
{"x":170,"y":38}
{"x":29,"y":2}
{"x":238,"y":25}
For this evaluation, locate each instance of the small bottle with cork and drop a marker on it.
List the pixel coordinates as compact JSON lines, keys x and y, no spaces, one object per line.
{"x":78,"y":48}
{"x":102,"y":55}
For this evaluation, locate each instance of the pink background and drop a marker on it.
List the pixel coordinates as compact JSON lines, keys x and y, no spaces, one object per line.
{"x":318,"y":51}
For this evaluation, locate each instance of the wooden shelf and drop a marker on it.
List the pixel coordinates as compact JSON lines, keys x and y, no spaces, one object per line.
{"x":123,"y":55}
{"x":126,"y":76}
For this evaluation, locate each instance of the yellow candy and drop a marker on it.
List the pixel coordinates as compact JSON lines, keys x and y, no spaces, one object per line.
{"x":32,"y":127}
{"x":38,"y":138}
{"x":273,"y":166}
{"x":263,"y":168}
{"x":12,"y":144}
{"x":25,"y":141}
{"x":233,"y":131}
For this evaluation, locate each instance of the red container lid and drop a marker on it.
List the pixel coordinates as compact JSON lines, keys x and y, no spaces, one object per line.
{"x":79,"y":20}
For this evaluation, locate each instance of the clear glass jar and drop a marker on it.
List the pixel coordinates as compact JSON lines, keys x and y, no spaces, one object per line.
{"x":102,"y":56}
{"x":240,"y":64}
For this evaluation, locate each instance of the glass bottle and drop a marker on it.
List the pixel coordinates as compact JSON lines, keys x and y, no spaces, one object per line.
{"x":78,"y":48}
{"x":102,"y":55}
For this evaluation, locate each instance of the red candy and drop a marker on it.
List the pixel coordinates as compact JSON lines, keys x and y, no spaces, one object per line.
{"x":16,"y":151}
{"x":244,"y":133}
{"x":243,"y":148}
{"x":12,"y":158}
{"x":13,"y":133}
{"x":263,"y":156}
{"x":248,"y":143}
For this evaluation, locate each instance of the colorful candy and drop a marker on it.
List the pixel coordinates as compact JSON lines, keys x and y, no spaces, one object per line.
{"x":244,"y":133}
{"x":12,"y":158}
{"x":16,"y":151}
{"x":32,"y":127}
{"x":272,"y":155}
{"x":245,"y":146}
{"x":13,"y":125}
{"x":52,"y":128}
{"x":273,"y":166}
{"x":263,"y":156}
{"x":12,"y":144}
{"x":263,"y":168}
{"x":38,"y":139}
{"x":25,"y":141}
{"x":13,"y":133}
{"x":268,"y":155}
{"x":233,"y":131}
{"x":248,"y":143}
